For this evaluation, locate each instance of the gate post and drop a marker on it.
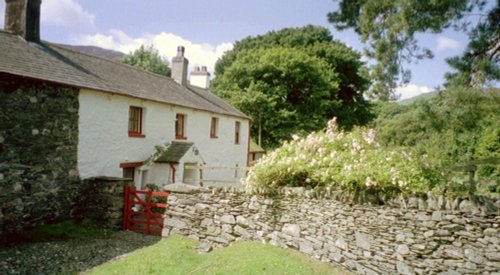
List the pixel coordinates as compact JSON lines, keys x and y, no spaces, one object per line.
{"x":126,"y":207}
{"x":148,"y":211}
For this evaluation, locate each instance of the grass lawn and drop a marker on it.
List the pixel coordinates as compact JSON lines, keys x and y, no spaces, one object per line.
{"x":64,"y":230}
{"x":177,"y":255}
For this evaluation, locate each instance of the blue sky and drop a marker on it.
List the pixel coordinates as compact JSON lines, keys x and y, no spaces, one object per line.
{"x":208,"y":28}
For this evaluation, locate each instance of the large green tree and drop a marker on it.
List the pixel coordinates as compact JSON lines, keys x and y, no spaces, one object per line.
{"x":293,"y":80}
{"x":284,"y":90}
{"x":388,"y":29}
{"x":149,"y":59}
{"x":480,"y":62}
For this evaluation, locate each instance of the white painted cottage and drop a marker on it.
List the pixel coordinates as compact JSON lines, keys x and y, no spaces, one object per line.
{"x":132,"y":123}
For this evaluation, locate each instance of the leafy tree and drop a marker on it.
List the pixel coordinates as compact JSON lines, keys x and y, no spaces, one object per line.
{"x":388,"y":28}
{"x":147,"y":58}
{"x":284,"y":90}
{"x":481,"y":61}
{"x":489,"y":147}
{"x":288,"y":37}
{"x":340,"y":64}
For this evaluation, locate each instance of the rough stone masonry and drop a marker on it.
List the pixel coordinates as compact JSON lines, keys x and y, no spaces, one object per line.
{"x":412,"y":236}
{"x":39,"y":180}
{"x":38,"y":143}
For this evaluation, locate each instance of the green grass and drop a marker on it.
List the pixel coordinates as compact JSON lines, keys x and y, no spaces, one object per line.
{"x":64,"y":230}
{"x":176,"y":255}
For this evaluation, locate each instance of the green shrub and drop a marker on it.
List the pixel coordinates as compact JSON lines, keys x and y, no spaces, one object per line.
{"x":352,"y":161}
{"x":489,"y":147}
{"x":452,"y":128}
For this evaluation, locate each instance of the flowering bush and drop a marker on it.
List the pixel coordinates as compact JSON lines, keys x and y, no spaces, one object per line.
{"x":352,"y":161}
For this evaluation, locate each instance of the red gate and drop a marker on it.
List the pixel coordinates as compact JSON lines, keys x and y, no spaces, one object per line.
{"x":143,"y":219}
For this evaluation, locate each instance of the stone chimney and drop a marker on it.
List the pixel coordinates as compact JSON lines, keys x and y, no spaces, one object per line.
{"x":200,"y":77}
{"x":180,"y":67}
{"x":22,"y":17}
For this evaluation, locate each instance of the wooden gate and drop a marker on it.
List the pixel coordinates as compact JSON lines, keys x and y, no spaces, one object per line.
{"x":137,"y":211}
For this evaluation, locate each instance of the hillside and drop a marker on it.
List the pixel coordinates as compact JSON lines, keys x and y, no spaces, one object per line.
{"x":418,"y":97}
{"x":97,"y":51}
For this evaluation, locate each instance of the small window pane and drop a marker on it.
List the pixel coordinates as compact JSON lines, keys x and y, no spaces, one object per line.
{"x":180,"y":121}
{"x":128,"y":173}
{"x":237,"y":132}
{"x":213,"y":127}
{"x":135,"y":120}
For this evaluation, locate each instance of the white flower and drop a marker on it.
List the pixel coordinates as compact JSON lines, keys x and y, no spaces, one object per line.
{"x":369,"y":182}
{"x":370,"y":136}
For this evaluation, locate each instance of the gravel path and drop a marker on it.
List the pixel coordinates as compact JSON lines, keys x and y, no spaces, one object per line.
{"x":70,"y":256}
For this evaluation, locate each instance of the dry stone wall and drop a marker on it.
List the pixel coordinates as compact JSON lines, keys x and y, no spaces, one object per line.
{"x":101,"y":199}
{"x":413,"y":236}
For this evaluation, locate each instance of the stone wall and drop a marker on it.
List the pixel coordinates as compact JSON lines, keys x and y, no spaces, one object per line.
{"x":38,"y":143}
{"x":39,"y":180}
{"x":101,"y":200}
{"x":423,"y":236}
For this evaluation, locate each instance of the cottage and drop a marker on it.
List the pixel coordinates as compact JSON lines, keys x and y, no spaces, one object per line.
{"x":116,"y":120}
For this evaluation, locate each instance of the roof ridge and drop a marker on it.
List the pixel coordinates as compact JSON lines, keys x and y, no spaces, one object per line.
{"x":110,"y":60}
{"x":227,"y":105}
{"x":206,"y":99}
{"x":57,"y":64}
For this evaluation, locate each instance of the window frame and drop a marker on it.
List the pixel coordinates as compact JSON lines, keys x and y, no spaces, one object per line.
{"x":182,"y":133}
{"x":128,"y":170}
{"x":130,"y":166}
{"x":214,"y":127}
{"x":237,"y":132}
{"x":136,"y":121}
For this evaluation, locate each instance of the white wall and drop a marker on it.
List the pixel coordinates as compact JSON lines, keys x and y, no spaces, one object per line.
{"x":104,"y":142}
{"x":160,"y":174}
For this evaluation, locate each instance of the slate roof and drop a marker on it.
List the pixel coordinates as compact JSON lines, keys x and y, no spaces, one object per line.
{"x":255,"y":148}
{"x":175,"y":151}
{"x":49,"y":62}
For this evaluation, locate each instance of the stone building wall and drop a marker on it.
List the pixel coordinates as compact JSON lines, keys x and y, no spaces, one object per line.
{"x":39,"y":180}
{"x":422,"y":236}
{"x":38,"y":142}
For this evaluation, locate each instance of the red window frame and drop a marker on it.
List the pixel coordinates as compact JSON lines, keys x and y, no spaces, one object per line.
{"x":237,"y":126}
{"x":214,"y":124}
{"x":135,"y":117}
{"x":180,"y":126}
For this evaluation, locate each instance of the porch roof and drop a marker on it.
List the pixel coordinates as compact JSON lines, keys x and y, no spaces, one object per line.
{"x":175,"y":151}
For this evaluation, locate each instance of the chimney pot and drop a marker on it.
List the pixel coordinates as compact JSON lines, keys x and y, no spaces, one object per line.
{"x":180,"y":51}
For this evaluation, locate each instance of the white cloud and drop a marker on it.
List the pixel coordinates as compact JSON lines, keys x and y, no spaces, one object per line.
{"x":198,"y":54}
{"x":66,"y":13}
{"x":445,"y":43}
{"x":411,"y":90}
